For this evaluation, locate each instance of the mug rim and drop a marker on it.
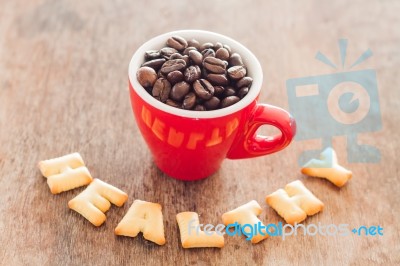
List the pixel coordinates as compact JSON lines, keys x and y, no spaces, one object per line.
{"x":252,"y":64}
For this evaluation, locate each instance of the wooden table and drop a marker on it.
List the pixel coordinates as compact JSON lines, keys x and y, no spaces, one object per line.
{"x":63,"y":88}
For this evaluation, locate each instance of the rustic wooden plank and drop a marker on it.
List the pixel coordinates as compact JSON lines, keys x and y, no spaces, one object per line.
{"x":63,"y":88}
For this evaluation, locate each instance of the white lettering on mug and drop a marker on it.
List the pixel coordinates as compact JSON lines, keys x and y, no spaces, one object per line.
{"x":191,"y":140}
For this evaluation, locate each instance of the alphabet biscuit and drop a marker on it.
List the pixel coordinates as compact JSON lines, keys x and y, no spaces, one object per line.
{"x":65,"y":173}
{"x":95,"y":200}
{"x":327,"y":167}
{"x":294,"y":203}
{"x":246,"y":214}
{"x":192,"y":236}
{"x":144,"y":217}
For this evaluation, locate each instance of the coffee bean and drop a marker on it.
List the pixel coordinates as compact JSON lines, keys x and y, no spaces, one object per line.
{"x":228,"y":101}
{"x":192,"y":73}
{"x":190,"y":101}
{"x":194,"y":43}
{"x":229,"y":91}
{"x":161,"y":75}
{"x":212,"y":104}
{"x":177,"y":42}
{"x":149,"y":90}
{"x":199,"y":107}
{"x":203,"y":89}
{"x":204,"y":73}
{"x":172,"y":65}
{"x":187,"y":50}
{"x":222,"y":54}
{"x":186,"y":59}
{"x":244,"y":82}
{"x":243,"y":92}
{"x":152,"y":54}
{"x":206,"y":45}
{"x":227,"y":47}
{"x":175,"y":56}
{"x":161,"y":89}
{"x":179,"y":90}
{"x":218,"y":79}
{"x":155,"y":63}
{"x":237,"y":72}
{"x":207,"y":53}
{"x":175,"y":77}
{"x":196,"y":57}
{"x":179,"y":56}
{"x":217,"y":46}
{"x":235,"y":60}
{"x":214,"y":65}
{"x":218,"y":90}
{"x":199,"y":101}
{"x":188,"y":75}
{"x":146,"y":76}
{"x":173,"y":103}
{"x":166,"y":52}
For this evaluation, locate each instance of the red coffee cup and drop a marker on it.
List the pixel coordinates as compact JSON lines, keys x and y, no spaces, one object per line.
{"x":190,"y":145}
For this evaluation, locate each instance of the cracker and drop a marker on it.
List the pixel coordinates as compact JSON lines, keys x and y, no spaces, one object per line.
{"x":246,"y":214}
{"x":145,"y":217}
{"x":294,"y":203}
{"x":327,"y":167}
{"x":65,"y":173}
{"x":96,"y":199}
{"x":193,"y":238}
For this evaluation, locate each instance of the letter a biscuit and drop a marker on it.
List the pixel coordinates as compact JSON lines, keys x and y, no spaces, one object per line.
{"x":144,"y":217}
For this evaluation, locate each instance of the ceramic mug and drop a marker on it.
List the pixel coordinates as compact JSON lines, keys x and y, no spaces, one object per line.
{"x":191,"y":145}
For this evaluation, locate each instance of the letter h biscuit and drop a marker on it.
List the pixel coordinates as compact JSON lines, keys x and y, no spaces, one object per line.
{"x":65,"y":173}
{"x":294,"y":203}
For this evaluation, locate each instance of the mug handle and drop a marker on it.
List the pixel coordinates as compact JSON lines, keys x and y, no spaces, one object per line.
{"x":251,"y":145}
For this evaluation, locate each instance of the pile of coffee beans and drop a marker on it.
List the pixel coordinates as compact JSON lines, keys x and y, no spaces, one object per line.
{"x":193,"y":76}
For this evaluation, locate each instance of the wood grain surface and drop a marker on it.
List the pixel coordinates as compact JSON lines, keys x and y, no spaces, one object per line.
{"x":63,"y":88}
